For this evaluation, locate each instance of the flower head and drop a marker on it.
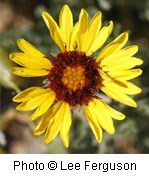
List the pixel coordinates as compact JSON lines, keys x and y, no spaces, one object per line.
{"x":76,"y":77}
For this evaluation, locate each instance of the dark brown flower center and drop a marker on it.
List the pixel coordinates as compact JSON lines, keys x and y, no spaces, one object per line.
{"x":74,"y":77}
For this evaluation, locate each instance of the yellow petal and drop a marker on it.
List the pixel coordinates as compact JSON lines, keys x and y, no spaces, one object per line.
{"x":29,"y":93}
{"x":83,"y":20}
{"x":66,"y":25}
{"x":123,"y":86}
{"x":41,"y":127}
{"x":104,"y":76}
{"x":95,"y":24}
{"x":46,"y":119}
{"x":28,"y":48}
{"x":66,"y":123}
{"x":93,"y":122}
{"x":44,"y":106}
{"x":83,"y":24}
{"x":73,"y":39}
{"x":55,"y":126}
{"x":90,"y":35}
{"x":118,"y":96}
{"x":100,"y":39}
{"x":123,"y":64}
{"x":119,"y":56}
{"x":104,"y":118}
{"x":112,"y":112}
{"x":133,"y":89}
{"x":122,"y":75}
{"x":114,"y":46}
{"x":55,"y":31}
{"x":33,"y":103}
{"x":28,"y":72}
{"x":30,"y":62}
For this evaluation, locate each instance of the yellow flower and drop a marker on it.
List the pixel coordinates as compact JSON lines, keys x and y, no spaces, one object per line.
{"x":75,"y":76}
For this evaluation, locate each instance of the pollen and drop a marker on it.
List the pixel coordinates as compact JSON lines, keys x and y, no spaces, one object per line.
{"x":74,"y":78}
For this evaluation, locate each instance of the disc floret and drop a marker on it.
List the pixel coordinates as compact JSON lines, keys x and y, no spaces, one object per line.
{"x":74,"y":77}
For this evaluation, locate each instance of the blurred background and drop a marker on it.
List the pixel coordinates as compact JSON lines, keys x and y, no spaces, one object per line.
{"x":22,"y":19}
